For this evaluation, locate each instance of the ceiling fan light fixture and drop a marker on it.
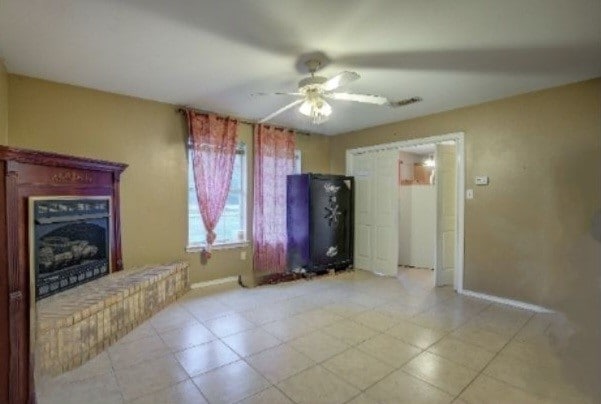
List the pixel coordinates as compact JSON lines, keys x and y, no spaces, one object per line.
{"x":306,"y":107}
{"x":317,"y":109}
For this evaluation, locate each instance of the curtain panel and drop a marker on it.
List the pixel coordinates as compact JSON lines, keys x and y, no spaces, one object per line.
{"x":213,"y":143}
{"x":273,"y":161}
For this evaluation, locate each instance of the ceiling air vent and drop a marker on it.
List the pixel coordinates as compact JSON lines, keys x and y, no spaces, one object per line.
{"x":406,"y":101}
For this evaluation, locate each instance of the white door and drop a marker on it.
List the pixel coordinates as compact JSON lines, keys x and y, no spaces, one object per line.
{"x":446,"y":193}
{"x":385,"y":212}
{"x":362,"y":170}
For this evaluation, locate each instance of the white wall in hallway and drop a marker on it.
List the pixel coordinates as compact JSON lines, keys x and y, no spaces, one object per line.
{"x":417,"y":221}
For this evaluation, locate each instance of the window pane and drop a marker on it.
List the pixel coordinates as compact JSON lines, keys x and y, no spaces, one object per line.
{"x":232,"y":224}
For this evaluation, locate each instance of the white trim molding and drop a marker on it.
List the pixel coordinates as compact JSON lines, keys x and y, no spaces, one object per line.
{"x":506,"y":301}
{"x":214,"y":282}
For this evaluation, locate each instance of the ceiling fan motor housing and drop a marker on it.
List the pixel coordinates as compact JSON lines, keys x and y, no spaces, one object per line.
{"x":311,"y":83}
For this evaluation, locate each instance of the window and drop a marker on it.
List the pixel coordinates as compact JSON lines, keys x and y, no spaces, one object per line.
{"x":297,"y":162}
{"x":231,"y":228}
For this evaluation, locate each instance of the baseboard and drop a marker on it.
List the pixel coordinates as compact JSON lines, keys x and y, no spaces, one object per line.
{"x":214,"y":282}
{"x":509,"y":302}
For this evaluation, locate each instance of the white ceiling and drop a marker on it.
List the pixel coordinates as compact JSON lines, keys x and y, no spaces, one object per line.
{"x":213,"y":54}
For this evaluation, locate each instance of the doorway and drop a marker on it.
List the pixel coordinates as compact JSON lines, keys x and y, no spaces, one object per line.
{"x":417,"y":212}
{"x":409,"y":207}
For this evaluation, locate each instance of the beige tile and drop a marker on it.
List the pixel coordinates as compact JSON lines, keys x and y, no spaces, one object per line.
{"x":149,"y":376}
{"x":205,"y":357}
{"x":363,"y":399}
{"x":399,"y":310}
{"x":502,"y":321}
{"x":264,"y":315}
{"x":319,"y":346}
{"x":543,"y":379}
{"x":316,"y":386}
{"x":389,"y":350}
{"x":308,"y":316}
{"x":172,"y":317}
{"x":228,"y":325}
{"x":142,"y":331}
{"x":230,"y":383}
{"x":540,"y":327}
{"x":298,"y":305}
{"x":365,"y":299}
{"x":251,"y":342}
{"x":288,"y":329}
{"x":204,"y":310}
{"x":463,"y":353}
{"x":541,"y":354}
{"x":414,"y":334}
{"x":184,"y":392}
{"x":481,"y":337}
{"x":279,"y":363}
{"x":102,"y":389}
{"x":440,"y":372}
{"x":269,"y":396}
{"x":97,"y":366}
{"x":345,"y":309}
{"x":376,"y":320}
{"x":187,"y":337}
{"x":445,"y":320}
{"x":319,"y":318}
{"x":349,"y":332}
{"x":127,"y":354}
{"x":358,"y":368}
{"x":486,"y":389}
{"x":402,"y":388}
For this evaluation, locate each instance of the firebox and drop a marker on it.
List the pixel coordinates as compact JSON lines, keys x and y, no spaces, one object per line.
{"x":69,"y":241}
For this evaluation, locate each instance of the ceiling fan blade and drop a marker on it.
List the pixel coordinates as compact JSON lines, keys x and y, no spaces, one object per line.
{"x":261,"y":94}
{"x":283,"y":109}
{"x":340,"y":79}
{"x":364,"y":98}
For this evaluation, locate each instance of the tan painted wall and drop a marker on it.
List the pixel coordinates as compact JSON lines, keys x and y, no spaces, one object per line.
{"x":150,"y":137}
{"x":542,"y":152}
{"x":3,"y":104}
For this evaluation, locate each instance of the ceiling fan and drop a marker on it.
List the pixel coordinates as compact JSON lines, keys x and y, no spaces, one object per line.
{"x":315,"y":90}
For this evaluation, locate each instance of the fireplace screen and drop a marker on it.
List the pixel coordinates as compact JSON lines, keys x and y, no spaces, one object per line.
{"x":70,"y":241}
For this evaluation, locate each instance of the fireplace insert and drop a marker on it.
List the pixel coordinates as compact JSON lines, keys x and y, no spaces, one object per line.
{"x":69,"y":241}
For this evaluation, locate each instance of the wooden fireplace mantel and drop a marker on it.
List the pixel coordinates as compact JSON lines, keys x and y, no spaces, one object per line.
{"x":23,"y":174}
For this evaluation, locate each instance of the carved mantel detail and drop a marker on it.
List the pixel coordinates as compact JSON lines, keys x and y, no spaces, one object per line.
{"x":66,"y":177}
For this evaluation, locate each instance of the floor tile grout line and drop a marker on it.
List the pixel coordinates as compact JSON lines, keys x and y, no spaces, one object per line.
{"x":494,"y":357}
{"x":511,"y":384}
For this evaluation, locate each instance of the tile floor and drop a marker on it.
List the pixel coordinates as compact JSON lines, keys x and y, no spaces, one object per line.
{"x":350,"y":338}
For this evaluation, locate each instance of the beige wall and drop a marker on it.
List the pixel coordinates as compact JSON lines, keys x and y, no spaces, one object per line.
{"x":3,"y":104}
{"x":542,"y":152}
{"x":150,"y":137}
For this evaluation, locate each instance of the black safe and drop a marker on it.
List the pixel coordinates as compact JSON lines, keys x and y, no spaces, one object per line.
{"x":319,"y":221}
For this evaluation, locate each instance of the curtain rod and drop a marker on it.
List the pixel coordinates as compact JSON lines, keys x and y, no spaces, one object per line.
{"x":183,"y":110}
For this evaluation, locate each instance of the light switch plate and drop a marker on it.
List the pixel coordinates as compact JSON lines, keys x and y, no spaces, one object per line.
{"x":469,"y":194}
{"x":481,"y":180}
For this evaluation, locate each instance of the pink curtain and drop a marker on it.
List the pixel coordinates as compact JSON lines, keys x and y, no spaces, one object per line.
{"x":274,"y":160}
{"x":213,"y":142}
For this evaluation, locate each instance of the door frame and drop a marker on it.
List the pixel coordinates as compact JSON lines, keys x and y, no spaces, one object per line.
{"x":459,"y":139}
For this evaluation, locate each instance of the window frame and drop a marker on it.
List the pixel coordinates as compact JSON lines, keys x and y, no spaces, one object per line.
{"x":241,"y":149}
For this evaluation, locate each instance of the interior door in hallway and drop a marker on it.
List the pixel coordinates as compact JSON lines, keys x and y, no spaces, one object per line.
{"x":385,"y":202}
{"x":362,"y":170}
{"x":446,"y":184}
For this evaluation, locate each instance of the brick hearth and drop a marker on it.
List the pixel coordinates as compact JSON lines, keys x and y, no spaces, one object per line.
{"x":76,"y":325}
